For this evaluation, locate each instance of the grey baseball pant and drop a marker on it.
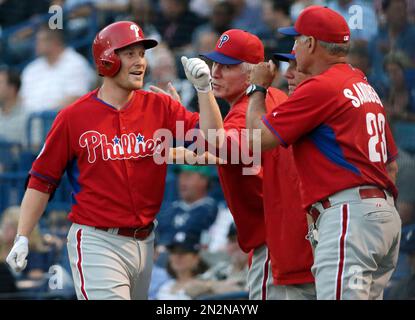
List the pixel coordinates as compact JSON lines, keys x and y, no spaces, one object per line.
{"x":259,"y":274}
{"x":261,"y":286}
{"x":108,"y":266}
{"x":358,"y":245}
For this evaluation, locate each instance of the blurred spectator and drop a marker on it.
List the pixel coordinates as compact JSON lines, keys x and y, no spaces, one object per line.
{"x":55,"y":237}
{"x":17,"y":40}
{"x":12,"y":116}
{"x":224,"y":276}
{"x":176,"y":23}
{"x":206,"y":42}
{"x":362,"y":19}
{"x":405,"y":205}
{"x":57,"y":77}
{"x":220,"y":20}
{"x":218,"y":233}
{"x":38,"y":260}
{"x":195,"y":212}
{"x":405,"y":289}
{"x":112,"y":5}
{"x":404,"y":182}
{"x":142,"y":13}
{"x":163,"y":71}
{"x":202,"y":8}
{"x":184,"y":265}
{"x":400,"y":100}
{"x":13,"y":12}
{"x":411,"y":10}
{"x":109,"y":9}
{"x":300,"y":5}
{"x":79,"y":20}
{"x":159,"y":276}
{"x":396,"y":34}
{"x":276,"y":14}
{"x":247,"y":17}
{"x":358,"y":57}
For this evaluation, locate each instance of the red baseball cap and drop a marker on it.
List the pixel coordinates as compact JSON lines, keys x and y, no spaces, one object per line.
{"x":322,"y":23}
{"x":236,"y":46}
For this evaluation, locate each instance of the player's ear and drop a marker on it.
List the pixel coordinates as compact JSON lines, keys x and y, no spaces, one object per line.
{"x":312,"y":44}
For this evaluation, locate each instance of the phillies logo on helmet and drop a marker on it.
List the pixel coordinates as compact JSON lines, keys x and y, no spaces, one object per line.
{"x":136,"y":30}
{"x":224,"y":38}
{"x":126,"y":147}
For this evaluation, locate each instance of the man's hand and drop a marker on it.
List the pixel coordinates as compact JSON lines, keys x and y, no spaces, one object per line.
{"x":198,"y":73}
{"x":181,"y":155}
{"x":263,"y":74}
{"x":17,"y":256}
{"x":171,"y":91}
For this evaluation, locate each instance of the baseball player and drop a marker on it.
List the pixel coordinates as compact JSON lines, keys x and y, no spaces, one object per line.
{"x":285,"y":219}
{"x":335,"y":123}
{"x":295,"y":77}
{"x":105,"y":142}
{"x":235,"y":54}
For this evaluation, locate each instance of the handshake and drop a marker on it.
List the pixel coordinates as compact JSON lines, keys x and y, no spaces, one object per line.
{"x":198,"y":73}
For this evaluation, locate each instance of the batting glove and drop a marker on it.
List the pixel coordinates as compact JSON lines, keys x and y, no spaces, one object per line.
{"x":198,"y":73}
{"x":17,"y":256}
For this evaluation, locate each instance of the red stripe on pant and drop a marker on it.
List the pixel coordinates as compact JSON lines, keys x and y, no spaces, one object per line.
{"x":265,"y":279}
{"x":342,"y":248}
{"x":79,"y":263}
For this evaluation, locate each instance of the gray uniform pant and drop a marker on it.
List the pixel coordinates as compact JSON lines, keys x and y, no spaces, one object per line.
{"x":260,"y":281}
{"x":358,"y":245}
{"x":259,"y":274}
{"x":108,"y":266}
{"x":303,"y":291}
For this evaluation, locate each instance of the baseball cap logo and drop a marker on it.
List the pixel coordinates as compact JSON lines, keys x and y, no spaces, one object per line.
{"x":224,"y":38}
{"x":346,"y":38}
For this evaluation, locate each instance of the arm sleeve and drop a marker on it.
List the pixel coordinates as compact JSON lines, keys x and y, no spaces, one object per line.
{"x":51,"y":162}
{"x":302,"y":112}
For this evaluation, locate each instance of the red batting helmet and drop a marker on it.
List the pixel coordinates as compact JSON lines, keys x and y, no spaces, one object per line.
{"x":116,"y":36}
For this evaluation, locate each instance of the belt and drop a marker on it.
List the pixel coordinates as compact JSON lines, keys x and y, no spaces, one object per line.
{"x":136,"y":233}
{"x":364,"y":194}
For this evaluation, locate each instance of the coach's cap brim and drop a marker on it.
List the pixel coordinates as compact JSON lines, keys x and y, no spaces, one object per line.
{"x":220,"y":58}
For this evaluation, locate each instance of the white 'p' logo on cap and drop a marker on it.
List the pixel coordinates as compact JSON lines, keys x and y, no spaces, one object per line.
{"x":222,"y":40}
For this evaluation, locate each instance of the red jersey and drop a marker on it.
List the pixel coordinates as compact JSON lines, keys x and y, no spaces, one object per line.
{"x":243,"y":193}
{"x":108,"y":156}
{"x":285,"y":220}
{"x":338,"y":135}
